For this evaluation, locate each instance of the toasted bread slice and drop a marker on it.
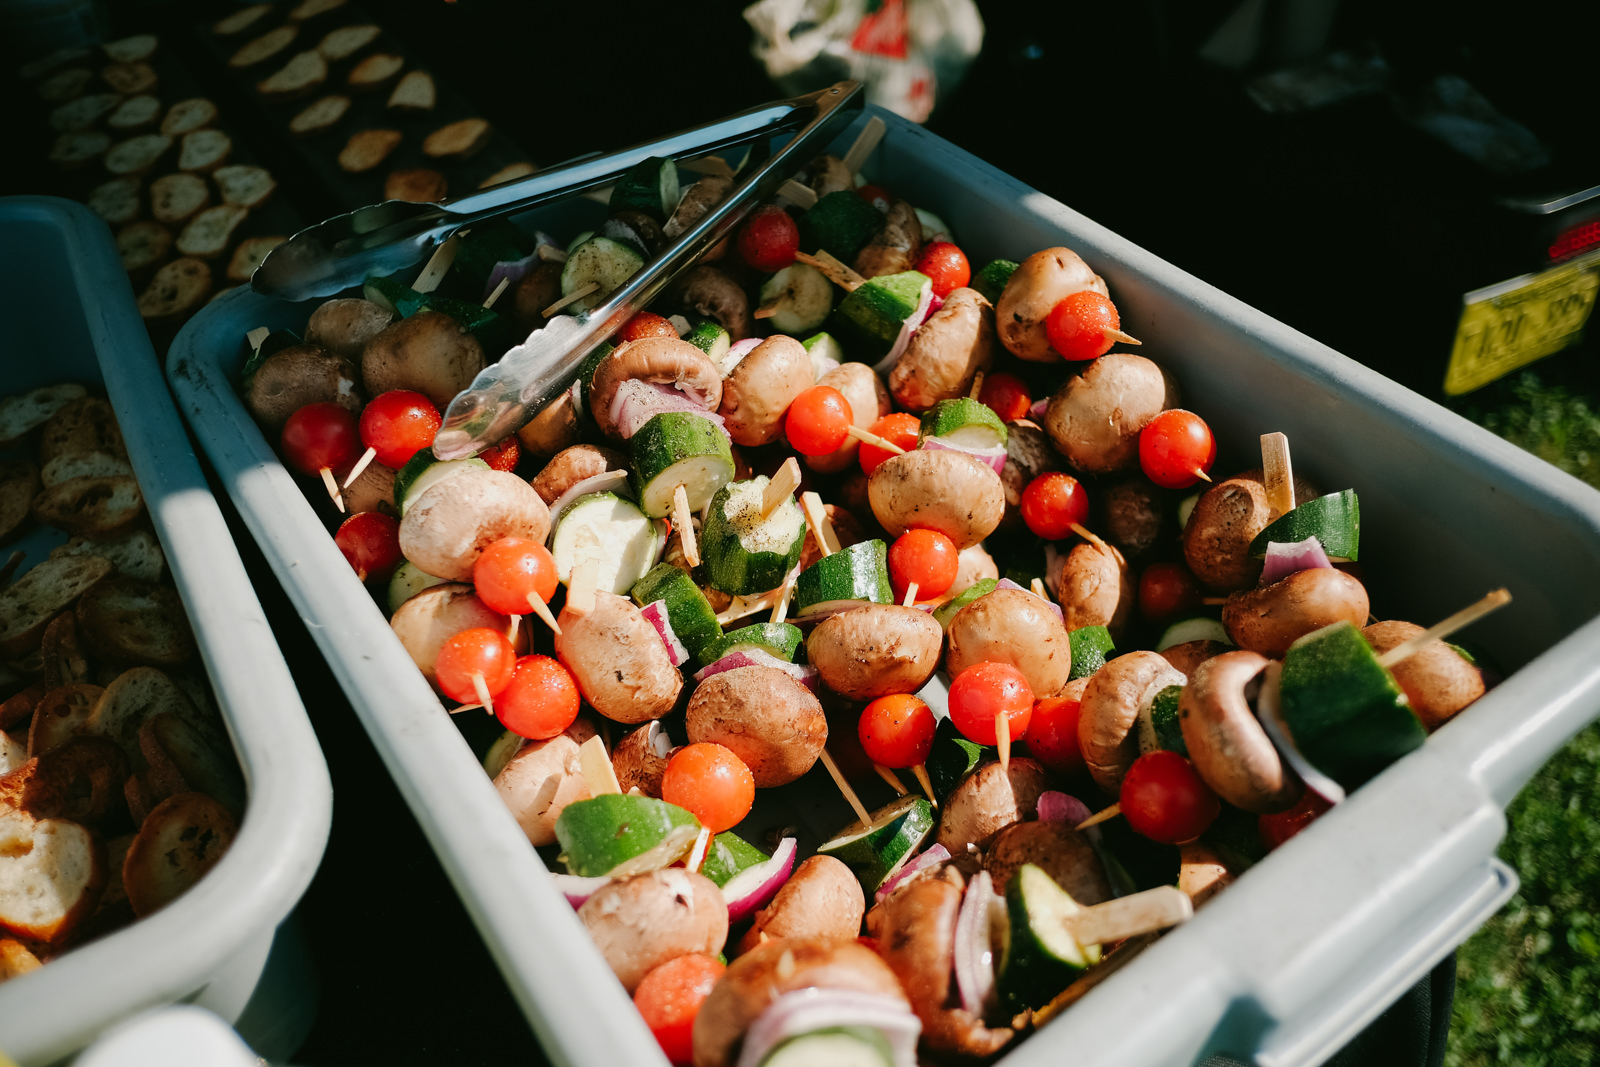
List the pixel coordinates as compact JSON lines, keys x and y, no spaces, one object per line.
{"x":260,"y":49}
{"x":28,"y":604}
{"x":64,"y":85}
{"x":80,"y":780}
{"x":175,"y":197}
{"x":181,"y":760}
{"x":204,"y":150}
{"x":319,"y":115}
{"x":457,"y":140}
{"x":92,"y":506}
{"x":19,"y":481}
{"x":366,"y":149}
{"x":244,"y":184}
{"x":142,"y":245}
{"x":240,"y":20}
{"x":15,"y":959}
{"x":130,"y":78}
{"x":374,"y":71}
{"x":177,"y":844}
{"x":51,"y":874}
{"x":46,"y":64}
{"x":135,"y":695}
{"x":79,"y":464}
{"x":248,"y":256}
{"x":23,"y":413}
{"x":138,"y":554}
{"x":16,"y":711}
{"x":209,"y":233}
{"x":346,"y":41}
{"x":134,"y":113}
{"x":135,"y":623}
{"x":303,"y":74}
{"x":186,"y":116}
{"x":13,"y":753}
{"x":74,"y":150}
{"x":137,"y":154}
{"x":310,"y":9}
{"x":83,"y":112}
{"x":509,"y":173}
{"x":83,"y":424}
{"x":62,"y":653}
{"x":414,"y":92}
{"x":136,"y":49}
{"x":117,"y":201}
{"x":416,"y":184}
{"x":177,"y":289}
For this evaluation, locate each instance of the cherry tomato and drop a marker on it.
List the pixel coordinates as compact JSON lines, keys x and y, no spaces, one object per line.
{"x":1167,"y":590}
{"x":320,"y":436}
{"x":1278,"y":828}
{"x":926,"y":557}
{"x":1078,"y":323}
{"x":897,"y":731}
{"x":710,"y":782}
{"x":1164,"y":798}
{"x":1052,"y":503}
{"x":899,"y":428}
{"x":669,"y":998}
{"x":398,"y":424}
{"x":875,"y":195}
{"x":509,"y":569}
{"x":1053,"y":734}
{"x":1176,"y":448}
{"x":540,"y":701}
{"x":646,"y":324}
{"x":985,"y":691}
{"x":1006,"y":395}
{"x":370,"y":540}
{"x":818,"y":421}
{"x":769,"y":239}
{"x":478,"y":652}
{"x":502,"y":456}
{"x":946,"y":265}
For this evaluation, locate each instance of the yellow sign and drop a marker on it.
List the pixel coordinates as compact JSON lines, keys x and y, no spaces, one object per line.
{"x":1510,"y":325}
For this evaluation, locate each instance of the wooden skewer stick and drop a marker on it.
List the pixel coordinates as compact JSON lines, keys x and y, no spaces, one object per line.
{"x":1101,"y":816}
{"x":780,"y":610}
{"x":511,"y":631}
{"x":1002,"y":739}
{"x":682,"y":519}
{"x":802,"y":196}
{"x":773,"y":306}
{"x":499,"y":290}
{"x":1202,"y":475}
{"x":742,"y":607}
{"x":438,"y":266}
{"x":257,"y":337}
{"x":1129,"y":916}
{"x":1440,"y":630}
{"x":910,"y":599}
{"x":1037,"y":585}
{"x":844,"y":787}
{"x":333,"y":488}
{"x":1118,"y":335}
{"x":832,"y":269}
{"x":1091,"y":537}
{"x":459,"y":708}
{"x":361,"y":464}
{"x":580,"y":587}
{"x":541,"y":609}
{"x":571,"y":298}
{"x":785,"y":482}
{"x":481,"y":689}
{"x":921,"y":771}
{"x":697,"y":854}
{"x":1213,"y":601}
{"x":596,"y":767}
{"x":1278,"y":473}
{"x":679,"y":323}
{"x":868,"y":437}
{"x":866,"y":142}
{"x":889,"y":776}
{"x":977,"y":386}
{"x":821,"y":528}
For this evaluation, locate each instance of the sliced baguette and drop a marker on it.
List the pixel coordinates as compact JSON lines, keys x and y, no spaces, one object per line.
{"x":181,"y":760}
{"x":83,"y":424}
{"x":62,"y":653}
{"x":80,"y":464}
{"x":134,"y":113}
{"x":19,"y":481}
{"x":64,"y":85}
{"x":248,"y":256}
{"x":51,"y":875}
{"x":457,"y":140}
{"x":209,"y":233}
{"x":204,"y":150}
{"x":138,"y":554}
{"x":83,"y":112}
{"x":177,"y":844}
{"x":15,"y":959}
{"x":23,"y":413}
{"x":189,"y":115}
{"x":116,"y":201}
{"x":137,"y":154}
{"x":142,"y":245}
{"x":175,"y":197}
{"x":13,"y":753}
{"x":90,"y":506}
{"x":177,"y":289}
{"x":509,"y":173}
{"x":319,"y":116}
{"x":130,"y":622}
{"x":310,"y":9}
{"x":366,"y":149}
{"x":240,"y":20}
{"x":17,"y":709}
{"x":416,"y":184}
{"x":135,"y":49}
{"x":74,"y":150}
{"x":414,"y":92}
{"x":130,"y":78}
{"x":346,"y":41}
{"x":303,"y":74}
{"x":62,"y":714}
{"x":244,"y":184}
{"x":374,"y":71}
{"x":28,"y":604}
{"x":260,"y":49}
{"x":80,"y":780}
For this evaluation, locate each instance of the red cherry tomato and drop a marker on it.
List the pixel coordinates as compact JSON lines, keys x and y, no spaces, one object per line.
{"x":502,"y":456}
{"x":370,"y":540}
{"x":982,"y":693}
{"x":1276,"y":829}
{"x":1167,"y":590}
{"x":1078,"y":323}
{"x":540,"y":701}
{"x":509,"y":569}
{"x":1006,"y":395}
{"x":946,"y":265}
{"x":818,"y":421}
{"x":470,"y":654}
{"x":646,"y":324}
{"x":1176,"y":448}
{"x":875,"y":195}
{"x":1164,"y":798}
{"x":899,"y":428}
{"x":320,"y":436}
{"x":769,"y":239}
{"x":1053,"y":734}
{"x":926,"y":557}
{"x":897,"y":731}
{"x":398,"y":424}
{"x":1052,"y":503}
{"x":710,"y":782}
{"x":669,"y":999}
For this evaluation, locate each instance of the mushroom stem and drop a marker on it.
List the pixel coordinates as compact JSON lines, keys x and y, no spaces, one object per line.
{"x":541,"y":609}
{"x":1129,"y":916}
{"x":844,"y":787}
{"x":921,"y":771}
{"x":1101,"y":816}
{"x":893,"y":779}
{"x":1278,"y":473}
{"x":361,"y":464}
{"x":868,"y":437}
{"x":786,"y":481}
{"x":1440,"y":630}
{"x":681,"y":518}
{"x":571,"y":298}
{"x":333,"y":488}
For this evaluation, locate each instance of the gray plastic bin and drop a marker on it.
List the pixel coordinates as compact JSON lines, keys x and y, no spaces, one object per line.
{"x":67,"y":314}
{"x":1307,"y":947}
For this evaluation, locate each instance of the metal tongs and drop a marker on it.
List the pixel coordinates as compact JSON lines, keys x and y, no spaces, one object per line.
{"x":381,"y":239}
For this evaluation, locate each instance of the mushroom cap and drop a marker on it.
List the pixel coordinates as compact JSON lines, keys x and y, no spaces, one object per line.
{"x":1226,"y":742}
{"x":663,"y":360}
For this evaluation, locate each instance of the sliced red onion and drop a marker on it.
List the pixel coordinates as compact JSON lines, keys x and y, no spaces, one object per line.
{"x":922,"y":861}
{"x":1007,"y":583}
{"x":514,"y":269}
{"x":910,"y":326}
{"x":1284,"y":559}
{"x":737,"y":351}
{"x":637,"y":402}
{"x":974,"y":946}
{"x":754,"y":887}
{"x":1059,"y":807}
{"x":609,"y":482}
{"x":933,"y":306}
{"x":577,"y":889}
{"x":655,"y":613}
{"x":754,"y":657}
{"x":807,"y":1010}
{"x":994,"y":456}
{"x":1039,"y":408}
